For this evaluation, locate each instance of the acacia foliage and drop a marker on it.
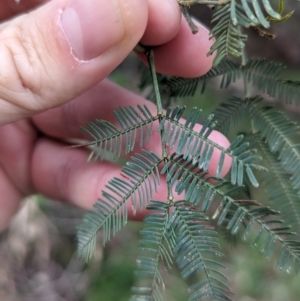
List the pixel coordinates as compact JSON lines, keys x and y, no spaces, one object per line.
{"x":180,"y":230}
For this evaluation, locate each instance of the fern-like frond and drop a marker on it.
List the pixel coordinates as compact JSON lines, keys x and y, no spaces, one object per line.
{"x":226,"y":233}
{"x":186,"y":176}
{"x":242,"y":193}
{"x":196,"y":243}
{"x":108,"y":139}
{"x":230,"y":111}
{"x":264,"y":75}
{"x":229,"y":38}
{"x":192,"y":180}
{"x":155,"y":249}
{"x":279,"y":188}
{"x":278,"y":131}
{"x":256,"y":14}
{"x":287,"y":91}
{"x":270,"y":231}
{"x":280,"y":10}
{"x":198,"y":188}
{"x":260,"y":73}
{"x":182,"y":87}
{"x":194,"y":144}
{"x":141,"y":180}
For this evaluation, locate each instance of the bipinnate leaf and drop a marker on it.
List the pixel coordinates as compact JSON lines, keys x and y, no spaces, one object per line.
{"x":280,"y":133}
{"x":109,"y":142}
{"x":264,"y":75}
{"x":196,"y":249}
{"x":200,"y":191}
{"x":278,"y":186}
{"x":140,"y":180}
{"x":230,"y":41}
{"x":198,"y":147}
{"x":155,"y":250}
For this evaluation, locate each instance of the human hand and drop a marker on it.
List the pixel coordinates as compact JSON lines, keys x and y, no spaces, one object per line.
{"x":53,"y":64}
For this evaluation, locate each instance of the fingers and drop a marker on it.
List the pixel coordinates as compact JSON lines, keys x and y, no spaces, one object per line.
{"x":186,"y":54}
{"x":164,"y":22}
{"x":191,"y":59}
{"x":16,"y":146}
{"x":55,"y":53}
{"x":97,"y":103}
{"x":64,"y":122}
{"x":64,"y":174}
{"x":159,"y":29}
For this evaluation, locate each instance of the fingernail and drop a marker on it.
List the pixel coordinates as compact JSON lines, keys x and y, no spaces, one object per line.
{"x":91,"y":27}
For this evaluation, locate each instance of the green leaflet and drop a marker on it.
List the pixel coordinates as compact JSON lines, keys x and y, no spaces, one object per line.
{"x":278,"y":186}
{"x":199,"y":190}
{"x":280,"y":11}
{"x":230,"y":41}
{"x":197,"y":146}
{"x":156,"y":248}
{"x":233,"y":237}
{"x":278,"y":131}
{"x":182,"y":87}
{"x":178,"y":230}
{"x":265,"y":76}
{"x":230,"y":17}
{"x":195,"y":242}
{"x":268,"y":235}
{"x":287,"y":91}
{"x":141,"y":180}
{"x":258,"y":72}
{"x":230,"y":112}
{"x":109,"y":142}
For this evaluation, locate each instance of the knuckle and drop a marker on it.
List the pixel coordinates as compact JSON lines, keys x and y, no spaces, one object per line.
{"x":24,"y":77}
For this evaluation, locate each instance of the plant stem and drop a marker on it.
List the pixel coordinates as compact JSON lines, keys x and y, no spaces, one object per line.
{"x":188,"y":18}
{"x":246,"y":85}
{"x":150,"y":58}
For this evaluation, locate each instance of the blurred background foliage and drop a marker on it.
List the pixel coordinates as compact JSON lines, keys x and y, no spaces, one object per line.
{"x":38,"y":251}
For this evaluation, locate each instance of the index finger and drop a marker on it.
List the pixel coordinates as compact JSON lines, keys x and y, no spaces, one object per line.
{"x":186,"y":54}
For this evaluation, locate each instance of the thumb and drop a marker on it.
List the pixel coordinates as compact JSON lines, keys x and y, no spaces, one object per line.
{"x":63,"y":48}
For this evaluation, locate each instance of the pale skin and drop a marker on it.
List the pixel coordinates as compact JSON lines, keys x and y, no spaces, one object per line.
{"x":52,"y":80}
